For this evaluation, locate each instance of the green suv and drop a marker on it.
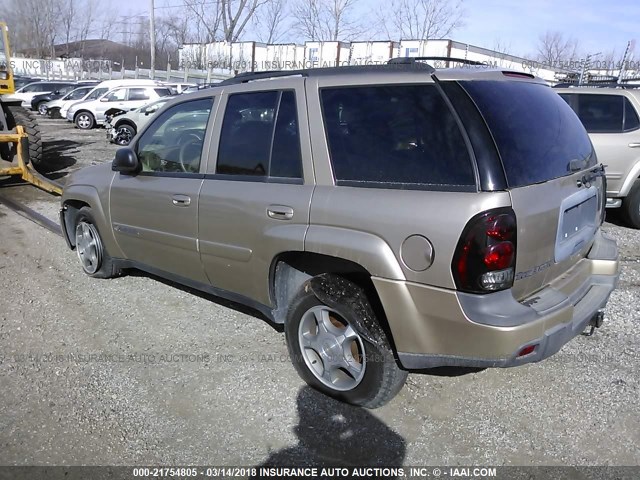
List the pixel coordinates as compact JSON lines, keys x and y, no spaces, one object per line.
{"x":392,"y":217}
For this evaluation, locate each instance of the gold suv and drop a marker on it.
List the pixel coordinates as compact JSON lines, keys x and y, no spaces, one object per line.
{"x":392,"y":217}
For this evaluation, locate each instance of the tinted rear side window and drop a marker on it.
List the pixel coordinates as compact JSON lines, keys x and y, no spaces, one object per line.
{"x":395,"y":136}
{"x":631,"y":120}
{"x":601,"y":113}
{"x":536,"y":132}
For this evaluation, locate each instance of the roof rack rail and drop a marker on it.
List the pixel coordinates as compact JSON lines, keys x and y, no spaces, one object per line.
{"x":596,"y":85}
{"x":412,"y":60}
{"x":251,"y":76}
{"x":312,"y":72}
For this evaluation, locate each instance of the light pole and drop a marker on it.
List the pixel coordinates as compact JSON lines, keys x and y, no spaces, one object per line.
{"x":152,"y":38}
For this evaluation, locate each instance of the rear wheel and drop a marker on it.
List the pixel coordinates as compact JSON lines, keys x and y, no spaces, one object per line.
{"x":631,"y":206}
{"x":340,"y":349}
{"x":16,"y":115}
{"x":93,"y":256}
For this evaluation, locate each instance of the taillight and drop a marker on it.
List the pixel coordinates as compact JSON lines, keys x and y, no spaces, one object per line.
{"x":485,"y":257}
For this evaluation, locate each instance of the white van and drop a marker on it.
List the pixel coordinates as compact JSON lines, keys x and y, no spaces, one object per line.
{"x":103,"y":87}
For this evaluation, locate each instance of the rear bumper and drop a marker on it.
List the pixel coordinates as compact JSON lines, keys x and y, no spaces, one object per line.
{"x":434,"y":327}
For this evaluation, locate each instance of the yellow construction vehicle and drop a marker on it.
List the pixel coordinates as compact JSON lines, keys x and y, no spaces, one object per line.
{"x":20,"y":141}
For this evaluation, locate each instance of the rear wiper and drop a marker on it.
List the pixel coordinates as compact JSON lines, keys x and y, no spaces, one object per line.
{"x":576,"y":165}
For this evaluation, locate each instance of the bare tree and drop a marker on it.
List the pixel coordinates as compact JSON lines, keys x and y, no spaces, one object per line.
{"x":223,"y":19}
{"x":67,"y":18}
{"x":331,"y":20}
{"x":308,"y":19}
{"x":421,"y":19}
{"x":208,"y":18}
{"x":270,"y":21}
{"x":554,"y":48}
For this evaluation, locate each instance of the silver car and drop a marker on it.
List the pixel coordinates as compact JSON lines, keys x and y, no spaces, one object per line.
{"x":612,"y":118}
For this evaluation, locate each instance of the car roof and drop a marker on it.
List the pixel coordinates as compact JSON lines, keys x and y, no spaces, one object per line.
{"x":351,"y":72}
{"x":599,"y":91}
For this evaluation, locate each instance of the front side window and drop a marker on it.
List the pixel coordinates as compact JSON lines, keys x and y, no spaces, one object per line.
{"x":173,"y":142}
{"x":117,"y":95}
{"x":98,"y":92}
{"x":77,"y":94}
{"x":260,"y":136}
{"x":395,"y":136}
{"x":32,"y":88}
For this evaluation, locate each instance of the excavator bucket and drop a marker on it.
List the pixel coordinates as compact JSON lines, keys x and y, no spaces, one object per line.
{"x":21,"y":166}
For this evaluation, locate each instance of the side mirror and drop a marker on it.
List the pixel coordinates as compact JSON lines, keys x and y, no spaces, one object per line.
{"x":126,"y":162}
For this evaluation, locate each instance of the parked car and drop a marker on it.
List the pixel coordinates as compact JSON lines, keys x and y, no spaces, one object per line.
{"x":392,"y":217}
{"x":38,"y":102}
{"x":612,"y":119}
{"x":30,"y":90}
{"x":54,"y":107}
{"x":103,"y":87}
{"x":89,"y":114}
{"x":178,"y":88}
{"x":122,"y":128}
{"x":20,"y":81}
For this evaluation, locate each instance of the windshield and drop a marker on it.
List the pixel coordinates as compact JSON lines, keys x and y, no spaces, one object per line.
{"x":96,"y":93}
{"x":77,"y":94}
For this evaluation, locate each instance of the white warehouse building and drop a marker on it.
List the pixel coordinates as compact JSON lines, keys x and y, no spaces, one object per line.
{"x":225,"y":57}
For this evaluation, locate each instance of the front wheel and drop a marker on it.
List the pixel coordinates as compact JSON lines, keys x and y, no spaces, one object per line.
{"x":42,"y":108}
{"x":631,"y":206}
{"x":85,"y":121}
{"x":124,"y":134}
{"x":93,"y":256}
{"x":338,"y":347}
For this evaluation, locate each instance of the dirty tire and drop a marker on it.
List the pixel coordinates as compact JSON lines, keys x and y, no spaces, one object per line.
{"x":103,"y":265}
{"x":382,"y":378}
{"x":631,"y":206}
{"x":16,"y":115}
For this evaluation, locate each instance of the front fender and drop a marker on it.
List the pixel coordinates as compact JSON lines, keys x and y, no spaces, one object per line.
{"x":98,"y":202}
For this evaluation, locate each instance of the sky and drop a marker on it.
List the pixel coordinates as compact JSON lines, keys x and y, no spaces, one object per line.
{"x":598,"y":25}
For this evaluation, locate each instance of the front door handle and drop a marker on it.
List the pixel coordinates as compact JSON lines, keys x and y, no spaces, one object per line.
{"x":634,"y":145}
{"x":181,"y":200}
{"x":280,"y":212}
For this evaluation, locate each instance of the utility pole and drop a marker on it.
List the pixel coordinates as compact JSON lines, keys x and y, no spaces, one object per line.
{"x":152,"y":37}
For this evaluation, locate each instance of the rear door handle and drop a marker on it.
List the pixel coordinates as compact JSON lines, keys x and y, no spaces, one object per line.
{"x":634,"y":145}
{"x":181,"y":200}
{"x":280,"y":212}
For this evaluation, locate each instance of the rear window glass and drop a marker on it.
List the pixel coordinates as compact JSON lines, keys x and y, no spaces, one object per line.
{"x":537,"y":134}
{"x":394,"y":136}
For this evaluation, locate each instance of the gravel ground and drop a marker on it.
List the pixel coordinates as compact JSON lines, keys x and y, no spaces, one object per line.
{"x":137,"y":370}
